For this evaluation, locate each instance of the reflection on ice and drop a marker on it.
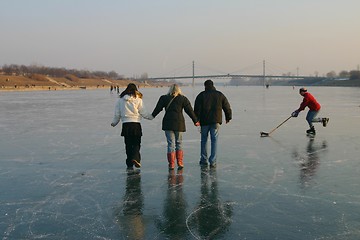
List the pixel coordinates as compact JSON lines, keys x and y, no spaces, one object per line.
{"x":212,"y":217}
{"x":130,"y":215}
{"x":310,"y":161}
{"x":172,"y":221}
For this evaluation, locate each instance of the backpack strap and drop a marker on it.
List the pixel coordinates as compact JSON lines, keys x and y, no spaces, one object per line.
{"x":172,"y":99}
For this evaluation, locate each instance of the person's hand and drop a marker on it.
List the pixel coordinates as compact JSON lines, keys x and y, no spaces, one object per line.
{"x":149,"y":117}
{"x":295,"y":113}
{"x":197,"y":123}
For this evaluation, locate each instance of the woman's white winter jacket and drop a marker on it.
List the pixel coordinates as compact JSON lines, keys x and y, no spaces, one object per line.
{"x":130,"y":109}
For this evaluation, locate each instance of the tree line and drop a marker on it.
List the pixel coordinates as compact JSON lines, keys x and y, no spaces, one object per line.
{"x":58,"y":72}
{"x":351,"y":75}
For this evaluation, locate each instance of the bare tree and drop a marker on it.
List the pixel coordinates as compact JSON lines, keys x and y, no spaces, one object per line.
{"x":355,"y":75}
{"x":344,"y":74}
{"x":331,"y":74}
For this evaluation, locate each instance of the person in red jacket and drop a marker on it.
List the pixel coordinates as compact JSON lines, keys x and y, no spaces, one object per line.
{"x":314,"y":108}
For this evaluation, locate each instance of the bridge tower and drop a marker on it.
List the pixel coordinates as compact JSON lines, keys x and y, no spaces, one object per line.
{"x":193,"y":74}
{"x":263,"y":73}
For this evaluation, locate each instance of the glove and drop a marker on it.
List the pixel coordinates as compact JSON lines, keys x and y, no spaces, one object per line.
{"x":295,"y":113}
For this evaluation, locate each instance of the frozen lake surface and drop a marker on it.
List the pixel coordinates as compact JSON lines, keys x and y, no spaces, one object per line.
{"x":63,"y":172}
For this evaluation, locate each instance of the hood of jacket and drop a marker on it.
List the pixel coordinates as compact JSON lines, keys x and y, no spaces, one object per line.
{"x":129,"y":98}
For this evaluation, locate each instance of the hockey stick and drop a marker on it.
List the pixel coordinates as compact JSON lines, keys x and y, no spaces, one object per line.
{"x":265,"y":134}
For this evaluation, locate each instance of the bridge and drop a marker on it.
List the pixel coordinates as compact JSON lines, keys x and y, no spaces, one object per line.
{"x":231,"y":76}
{"x":262,"y":76}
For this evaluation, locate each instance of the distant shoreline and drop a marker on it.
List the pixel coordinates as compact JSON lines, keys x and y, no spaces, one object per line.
{"x":52,"y":88}
{"x":37,"y":82}
{"x":14,"y":83}
{"x":45,"y":88}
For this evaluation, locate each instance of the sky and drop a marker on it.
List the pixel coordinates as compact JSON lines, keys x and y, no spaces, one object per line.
{"x":164,"y":37}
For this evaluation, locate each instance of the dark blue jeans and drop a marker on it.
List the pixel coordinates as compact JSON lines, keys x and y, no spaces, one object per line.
{"x":174,"y":141}
{"x":213,"y":129}
{"x":311,"y":116}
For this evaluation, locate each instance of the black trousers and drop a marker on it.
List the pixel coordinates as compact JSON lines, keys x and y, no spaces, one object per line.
{"x":132,"y":132}
{"x":132,"y":147}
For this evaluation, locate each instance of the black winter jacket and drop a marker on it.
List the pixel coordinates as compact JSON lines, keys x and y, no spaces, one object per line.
{"x":174,"y":119}
{"x":209,"y":105}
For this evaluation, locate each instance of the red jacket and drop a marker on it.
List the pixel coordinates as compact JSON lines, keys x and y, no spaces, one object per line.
{"x":309,"y":101}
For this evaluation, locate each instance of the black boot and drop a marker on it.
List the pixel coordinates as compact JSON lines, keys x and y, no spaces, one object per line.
{"x":324,"y":121}
{"x":311,"y":131}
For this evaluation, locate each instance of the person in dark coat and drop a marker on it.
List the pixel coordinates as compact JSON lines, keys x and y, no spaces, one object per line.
{"x":209,"y":105}
{"x":173,"y":122}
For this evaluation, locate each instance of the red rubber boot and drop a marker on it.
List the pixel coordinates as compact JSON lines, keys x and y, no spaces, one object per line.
{"x":179,"y":158}
{"x":171,"y":160}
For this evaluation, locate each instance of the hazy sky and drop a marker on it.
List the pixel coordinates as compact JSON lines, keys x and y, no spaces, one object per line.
{"x":163,"y":37}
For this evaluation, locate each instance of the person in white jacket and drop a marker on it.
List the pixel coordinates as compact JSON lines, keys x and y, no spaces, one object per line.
{"x":130,"y":109}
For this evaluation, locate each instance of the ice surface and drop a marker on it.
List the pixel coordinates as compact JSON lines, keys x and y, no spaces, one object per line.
{"x":63,"y":176}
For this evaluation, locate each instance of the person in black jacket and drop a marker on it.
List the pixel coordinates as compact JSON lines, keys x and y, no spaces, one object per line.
{"x":209,"y":105}
{"x":173,"y":122}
